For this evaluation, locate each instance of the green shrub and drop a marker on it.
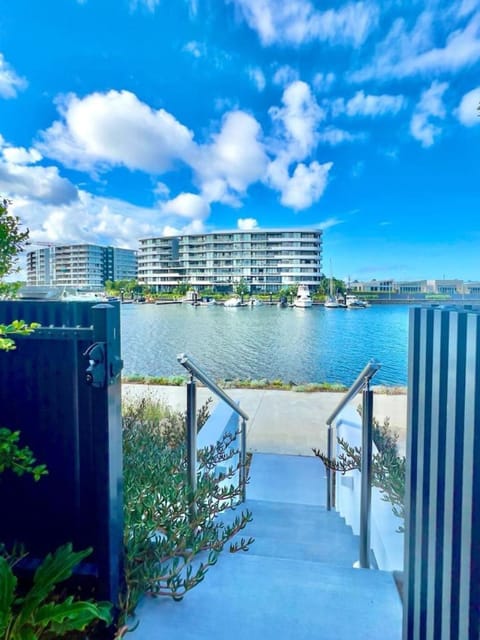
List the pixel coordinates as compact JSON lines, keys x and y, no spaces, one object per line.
{"x":388,"y":468}
{"x":172,"y":536}
{"x":37,"y":613}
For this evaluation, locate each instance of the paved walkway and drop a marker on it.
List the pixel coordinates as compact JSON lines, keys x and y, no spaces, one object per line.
{"x":284,"y":422}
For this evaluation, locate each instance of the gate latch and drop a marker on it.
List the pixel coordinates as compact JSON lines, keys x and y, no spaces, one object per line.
{"x":96,"y":373}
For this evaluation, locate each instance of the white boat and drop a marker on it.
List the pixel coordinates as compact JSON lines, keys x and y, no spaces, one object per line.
{"x":191,"y":297}
{"x":331,"y":303}
{"x":303,"y":298}
{"x":352,"y":302}
{"x":206,"y":302}
{"x":254,"y":302}
{"x":233,"y":302}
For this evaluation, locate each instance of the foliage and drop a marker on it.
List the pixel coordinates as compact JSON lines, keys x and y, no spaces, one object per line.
{"x":173,"y":536}
{"x":388,"y":468}
{"x":288,"y":292}
{"x":17,"y":327}
{"x":181,"y":289}
{"x":37,"y":613}
{"x":10,"y":289}
{"x":12,"y":239}
{"x":19,"y":460}
{"x":323,"y":288}
{"x":242,"y":288}
{"x":167,"y":381}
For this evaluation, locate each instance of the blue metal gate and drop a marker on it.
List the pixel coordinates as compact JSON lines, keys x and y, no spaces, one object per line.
{"x":67,"y":406}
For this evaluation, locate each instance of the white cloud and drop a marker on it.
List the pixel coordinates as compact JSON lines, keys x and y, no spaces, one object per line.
{"x":429,"y":106}
{"x":373,"y":105}
{"x":467,"y":7}
{"x":468,"y":110}
{"x":21,"y":177}
{"x":149,"y":5}
{"x":329,"y":223}
{"x":333,"y":136}
{"x":234,"y":159}
{"x":247,"y":224}
{"x":426,"y":48}
{"x":10,"y":82}
{"x":110,"y":129}
{"x":20,"y":155}
{"x":298,"y":119}
{"x":297,"y":122}
{"x":88,"y":219}
{"x":161,"y":190}
{"x":285,"y":75}
{"x":257,"y":76}
{"x":306,"y":185}
{"x":297,"y":21}
{"x":196,"y":49}
{"x":322,"y":82}
{"x":187,"y":205}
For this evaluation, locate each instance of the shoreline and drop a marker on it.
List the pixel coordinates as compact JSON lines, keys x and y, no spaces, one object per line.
{"x":261,"y":385}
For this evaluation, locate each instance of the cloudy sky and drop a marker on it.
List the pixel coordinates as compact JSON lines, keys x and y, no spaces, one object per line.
{"x":122,"y":119}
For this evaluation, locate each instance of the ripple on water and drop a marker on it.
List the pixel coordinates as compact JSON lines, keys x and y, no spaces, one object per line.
{"x":299,"y":345}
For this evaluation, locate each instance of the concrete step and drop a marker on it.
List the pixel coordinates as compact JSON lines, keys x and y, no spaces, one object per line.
{"x":292,"y":479}
{"x":247,"y":596}
{"x":286,"y":517}
{"x":302,"y":532}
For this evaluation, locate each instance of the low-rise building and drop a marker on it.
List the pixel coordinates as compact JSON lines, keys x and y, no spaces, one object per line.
{"x":80,"y":265}
{"x":266,"y":260}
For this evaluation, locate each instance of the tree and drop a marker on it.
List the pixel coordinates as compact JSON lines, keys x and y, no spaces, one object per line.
{"x":242,"y":288}
{"x":12,"y":239}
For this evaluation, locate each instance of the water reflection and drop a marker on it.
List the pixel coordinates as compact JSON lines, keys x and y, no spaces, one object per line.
{"x":299,"y":345}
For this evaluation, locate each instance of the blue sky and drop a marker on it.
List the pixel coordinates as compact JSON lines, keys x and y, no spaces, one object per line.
{"x":122,"y":119}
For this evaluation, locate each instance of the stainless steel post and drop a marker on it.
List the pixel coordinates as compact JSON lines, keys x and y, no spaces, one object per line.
{"x":366,"y":487}
{"x":243,"y":460}
{"x":330,"y":472}
{"x":192,"y":441}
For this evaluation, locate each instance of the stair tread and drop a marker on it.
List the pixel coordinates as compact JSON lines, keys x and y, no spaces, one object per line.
{"x":276,"y":598}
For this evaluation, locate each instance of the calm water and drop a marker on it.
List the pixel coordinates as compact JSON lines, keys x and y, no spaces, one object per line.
{"x":299,"y":345}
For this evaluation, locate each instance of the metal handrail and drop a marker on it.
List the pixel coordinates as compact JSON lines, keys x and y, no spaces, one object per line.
{"x":368,"y":372}
{"x":362,"y":382}
{"x":196,"y":372}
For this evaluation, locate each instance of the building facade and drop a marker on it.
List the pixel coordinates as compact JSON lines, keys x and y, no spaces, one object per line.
{"x":80,"y":265}
{"x":266,"y":260}
{"x":432,"y":287}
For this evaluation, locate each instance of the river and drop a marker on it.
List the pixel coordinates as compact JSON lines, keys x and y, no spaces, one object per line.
{"x":298,"y":345}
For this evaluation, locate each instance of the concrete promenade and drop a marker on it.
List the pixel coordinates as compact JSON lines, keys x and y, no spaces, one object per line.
{"x":283,"y":422}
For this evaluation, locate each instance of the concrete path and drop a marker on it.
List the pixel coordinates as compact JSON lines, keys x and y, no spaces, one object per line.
{"x":283,"y":422}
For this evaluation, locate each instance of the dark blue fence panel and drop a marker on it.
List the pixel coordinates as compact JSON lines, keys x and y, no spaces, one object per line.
{"x":72,"y":426}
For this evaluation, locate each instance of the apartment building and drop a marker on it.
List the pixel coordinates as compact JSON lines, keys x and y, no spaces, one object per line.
{"x":266,"y":260}
{"x":80,"y":265}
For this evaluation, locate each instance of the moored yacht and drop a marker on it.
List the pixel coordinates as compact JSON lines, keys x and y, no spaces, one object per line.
{"x":352,"y":302}
{"x":331,"y":302}
{"x":303,"y":298}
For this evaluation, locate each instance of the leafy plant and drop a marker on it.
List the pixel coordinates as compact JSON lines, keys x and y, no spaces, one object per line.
{"x":36,"y":614}
{"x":12,"y":239}
{"x":19,"y":459}
{"x":17,"y":327}
{"x":388,"y":468}
{"x":173,"y":535}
